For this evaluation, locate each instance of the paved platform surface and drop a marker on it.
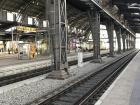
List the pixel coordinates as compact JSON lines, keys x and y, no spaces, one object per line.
{"x":11,"y":59}
{"x":125,"y":90}
{"x":10,"y":66}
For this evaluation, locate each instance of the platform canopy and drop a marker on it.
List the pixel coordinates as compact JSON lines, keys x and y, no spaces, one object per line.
{"x":131,"y":11}
{"x":77,"y":16}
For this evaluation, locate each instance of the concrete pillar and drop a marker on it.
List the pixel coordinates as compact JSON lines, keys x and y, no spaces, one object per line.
{"x":94,"y":21}
{"x":118,"y":35}
{"x":110,"y":28}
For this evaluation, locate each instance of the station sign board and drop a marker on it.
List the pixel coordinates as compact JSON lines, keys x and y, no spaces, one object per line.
{"x":26,"y":29}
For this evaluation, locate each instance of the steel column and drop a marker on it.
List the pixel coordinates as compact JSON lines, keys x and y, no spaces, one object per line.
{"x":134,"y":42}
{"x":3,"y":15}
{"x":110,"y":28}
{"x":24,"y":19}
{"x":127,"y":44}
{"x":56,"y":14}
{"x":40,"y":23}
{"x":118,"y":35}
{"x":94,"y":22}
{"x":124,"y":41}
{"x":130,"y":41}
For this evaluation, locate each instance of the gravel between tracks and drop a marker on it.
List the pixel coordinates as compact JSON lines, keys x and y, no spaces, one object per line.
{"x":29,"y":92}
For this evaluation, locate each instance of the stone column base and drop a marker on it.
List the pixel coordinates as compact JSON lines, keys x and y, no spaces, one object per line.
{"x":111,"y":55}
{"x":119,"y":52}
{"x":97,"y":60}
{"x":59,"y":74}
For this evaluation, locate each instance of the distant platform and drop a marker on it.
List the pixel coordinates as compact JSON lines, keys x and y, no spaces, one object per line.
{"x":12,"y":59}
{"x":126,"y":88}
{"x":10,"y":65}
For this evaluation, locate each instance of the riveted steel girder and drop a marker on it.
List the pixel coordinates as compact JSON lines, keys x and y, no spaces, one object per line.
{"x":56,"y":14}
{"x":94,"y":22}
{"x":118,"y":35}
{"x":124,"y":40}
{"x":110,"y":28}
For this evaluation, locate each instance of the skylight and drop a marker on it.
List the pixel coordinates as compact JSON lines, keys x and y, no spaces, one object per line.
{"x":135,"y":13}
{"x":134,"y":6}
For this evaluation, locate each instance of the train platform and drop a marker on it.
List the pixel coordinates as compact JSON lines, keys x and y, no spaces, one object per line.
{"x":125,"y":90}
{"x":12,"y":65}
{"x":5,"y":55}
{"x":12,"y":59}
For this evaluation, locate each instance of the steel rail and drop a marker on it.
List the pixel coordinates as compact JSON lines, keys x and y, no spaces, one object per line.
{"x":81,"y":91}
{"x":33,"y":73}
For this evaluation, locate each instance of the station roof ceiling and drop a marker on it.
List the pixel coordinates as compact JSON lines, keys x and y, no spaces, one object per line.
{"x":76,"y":14}
{"x":131,"y":11}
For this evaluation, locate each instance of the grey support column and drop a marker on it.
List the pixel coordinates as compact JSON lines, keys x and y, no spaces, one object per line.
{"x":118,"y":35}
{"x":14,"y":17}
{"x":127,"y":44}
{"x":94,"y":21}
{"x":134,"y":42}
{"x":24,"y":19}
{"x":110,"y":28}
{"x":56,"y":14}
{"x":4,"y":15}
{"x":124,"y":41}
{"x":129,"y":41}
{"x":40,"y":23}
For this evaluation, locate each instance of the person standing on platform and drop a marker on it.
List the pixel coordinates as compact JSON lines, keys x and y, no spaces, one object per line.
{"x":32,"y":50}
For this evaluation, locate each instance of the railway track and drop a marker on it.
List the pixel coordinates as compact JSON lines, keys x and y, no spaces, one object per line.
{"x":33,"y":73}
{"x":87,"y":90}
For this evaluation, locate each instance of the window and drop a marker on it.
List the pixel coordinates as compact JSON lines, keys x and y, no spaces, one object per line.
{"x":10,"y":16}
{"x":30,"y":20}
{"x":44,"y":23}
